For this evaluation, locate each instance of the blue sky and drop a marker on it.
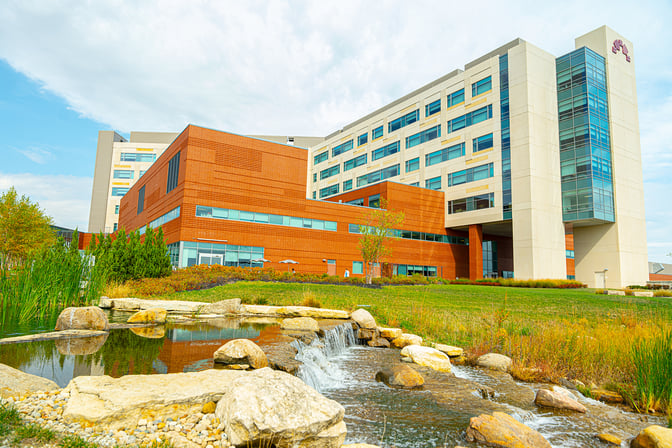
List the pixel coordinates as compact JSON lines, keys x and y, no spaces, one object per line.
{"x":70,"y":68}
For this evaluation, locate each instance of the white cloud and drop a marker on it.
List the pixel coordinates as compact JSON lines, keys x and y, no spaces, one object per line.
{"x":65,"y":198}
{"x":37,"y":155}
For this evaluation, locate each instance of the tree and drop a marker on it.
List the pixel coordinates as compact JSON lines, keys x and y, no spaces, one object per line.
{"x":379,"y":228}
{"x":24,"y":228}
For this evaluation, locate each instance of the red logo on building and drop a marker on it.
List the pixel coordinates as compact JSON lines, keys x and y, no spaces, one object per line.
{"x":620,"y":46}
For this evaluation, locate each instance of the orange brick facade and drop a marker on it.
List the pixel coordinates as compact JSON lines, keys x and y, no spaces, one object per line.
{"x":228,"y":171}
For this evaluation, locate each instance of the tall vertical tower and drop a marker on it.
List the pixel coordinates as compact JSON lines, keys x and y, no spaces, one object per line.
{"x":611,"y":250}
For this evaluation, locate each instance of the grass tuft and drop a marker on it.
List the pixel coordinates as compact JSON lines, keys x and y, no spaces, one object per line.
{"x":652,"y":359}
{"x":33,"y":431}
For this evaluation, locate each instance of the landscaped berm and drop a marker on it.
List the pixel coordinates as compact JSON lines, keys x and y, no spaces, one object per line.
{"x":452,"y":347}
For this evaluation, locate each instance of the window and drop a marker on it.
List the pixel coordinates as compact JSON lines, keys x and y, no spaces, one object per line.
{"x":355,"y":162}
{"x":362,"y":139}
{"x":119,"y":191}
{"x":413,"y":165}
{"x":314,"y":177}
{"x":409,"y":269}
{"x":321,"y":157}
{"x":482,"y":86}
{"x":314,"y":194}
{"x":378,"y":176}
{"x":123,"y":174}
{"x":385,"y":151}
{"x":357,"y":267}
{"x":347,"y":185}
{"x":161,"y":220}
{"x":142,"y":172}
{"x":141,"y":199}
{"x":483,"y":142}
{"x":374,"y":201}
{"x":452,"y":152}
{"x":479,"y":202}
{"x":471,"y":175}
{"x":469,"y":119}
{"x":137,"y":157}
{"x":114,"y":228}
{"x":334,"y":170}
{"x":424,"y":136}
{"x":433,"y":183}
{"x":116,"y":209}
{"x":173,"y":172}
{"x":359,"y":201}
{"x":569,"y":253}
{"x":377,"y":133}
{"x":456,"y":98}
{"x":400,"y":122}
{"x":433,"y":107}
{"x":328,"y":191}
{"x":340,"y":149}
{"x":414,"y":184}
{"x":264,"y":218}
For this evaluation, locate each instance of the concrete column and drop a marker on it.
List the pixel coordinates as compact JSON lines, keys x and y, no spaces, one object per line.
{"x":475,"y":251}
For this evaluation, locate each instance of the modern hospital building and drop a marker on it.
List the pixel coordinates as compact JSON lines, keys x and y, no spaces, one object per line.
{"x":523,"y":164}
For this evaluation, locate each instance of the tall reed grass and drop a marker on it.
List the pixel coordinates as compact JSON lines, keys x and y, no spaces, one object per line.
{"x":652,"y":359}
{"x":56,"y":277}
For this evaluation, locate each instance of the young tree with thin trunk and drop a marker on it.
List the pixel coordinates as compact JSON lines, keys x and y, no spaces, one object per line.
{"x":379,"y":228}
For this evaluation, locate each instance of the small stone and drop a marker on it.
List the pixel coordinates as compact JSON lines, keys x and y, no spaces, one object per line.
{"x":209,"y":407}
{"x":609,"y":438}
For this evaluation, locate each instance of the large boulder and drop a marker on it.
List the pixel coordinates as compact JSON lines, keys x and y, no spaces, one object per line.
{"x":15,"y":383}
{"x":559,"y":398}
{"x":272,"y":408}
{"x":117,"y":403}
{"x":428,"y":357}
{"x":150,"y":316}
{"x":229,"y":306}
{"x":300,"y":324}
{"x":241,"y":354}
{"x":80,"y":346}
{"x":503,"y":431}
{"x":82,"y":318}
{"x":364,"y":319}
{"x":494,"y":361}
{"x":653,"y":437}
{"x":407,"y":339}
{"x":401,"y":376}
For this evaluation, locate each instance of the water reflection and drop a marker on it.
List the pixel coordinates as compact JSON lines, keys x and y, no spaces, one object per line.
{"x":184,"y":347}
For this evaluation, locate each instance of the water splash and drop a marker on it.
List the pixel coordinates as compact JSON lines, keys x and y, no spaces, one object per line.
{"x":319,"y":369}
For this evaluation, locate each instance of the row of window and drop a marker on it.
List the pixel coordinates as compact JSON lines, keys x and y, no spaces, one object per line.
{"x":331,"y":171}
{"x":385,"y":151}
{"x":478,"y":202}
{"x":469,"y":119}
{"x":120,"y":191}
{"x":376,"y":176}
{"x":471,"y":174}
{"x":126,"y":174}
{"x":329,"y":191}
{"x":137,"y":157}
{"x":264,"y":218}
{"x":214,"y":253}
{"x":410,"y":269}
{"x":355,"y":162}
{"x":453,"y":99}
{"x":421,"y":236}
{"x":161,"y":220}
{"x":423,"y":136}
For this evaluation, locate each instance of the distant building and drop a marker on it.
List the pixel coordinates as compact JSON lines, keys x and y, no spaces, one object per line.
{"x":522,"y":165}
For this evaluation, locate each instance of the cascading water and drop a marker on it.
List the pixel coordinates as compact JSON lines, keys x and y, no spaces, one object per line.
{"x":319,"y":369}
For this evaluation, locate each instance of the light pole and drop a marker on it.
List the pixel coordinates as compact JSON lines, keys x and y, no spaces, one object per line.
{"x":604,"y":277}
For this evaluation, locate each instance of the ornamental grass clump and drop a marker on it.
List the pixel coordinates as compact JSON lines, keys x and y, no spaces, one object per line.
{"x":652,"y":360}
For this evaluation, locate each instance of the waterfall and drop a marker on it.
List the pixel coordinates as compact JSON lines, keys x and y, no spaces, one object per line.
{"x":317,"y":369}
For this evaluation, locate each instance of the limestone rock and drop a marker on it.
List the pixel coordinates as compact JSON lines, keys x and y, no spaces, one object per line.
{"x":230,"y":306}
{"x":390,"y":333}
{"x":366,"y":333}
{"x":364,"y":319}
{"x":495,"y":361}
{"x":401,"y":376}
{"x":377,"y":341}
{"x":152,"y":315}
{"x":449,"y":350}
{"x":653,"y":437}
{"x":407,"y":339}
{"x":294,"y":311}
{"x":120,"y":402}
{"x":428,"y":357}
{"x":502,"y":430}
{"x":268,"y":406}
{"x":241,"y":351}
{"x":360,"y":445}
{"x":558,"y":398}
{"x":610,"y":438}
{"x":80,"y":346}
{"x":172,"y":306}
{"x":15,"y":383}
{"x":606,"y":396}
{"x":155,"y":332}
{"x":177,"y":439}
{"x":300,"y":324}
{"x":281,"y":356}
{"x":82,"y":318}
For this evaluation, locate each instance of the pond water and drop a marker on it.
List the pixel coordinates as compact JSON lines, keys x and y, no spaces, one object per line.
{"x":435,"y":416}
